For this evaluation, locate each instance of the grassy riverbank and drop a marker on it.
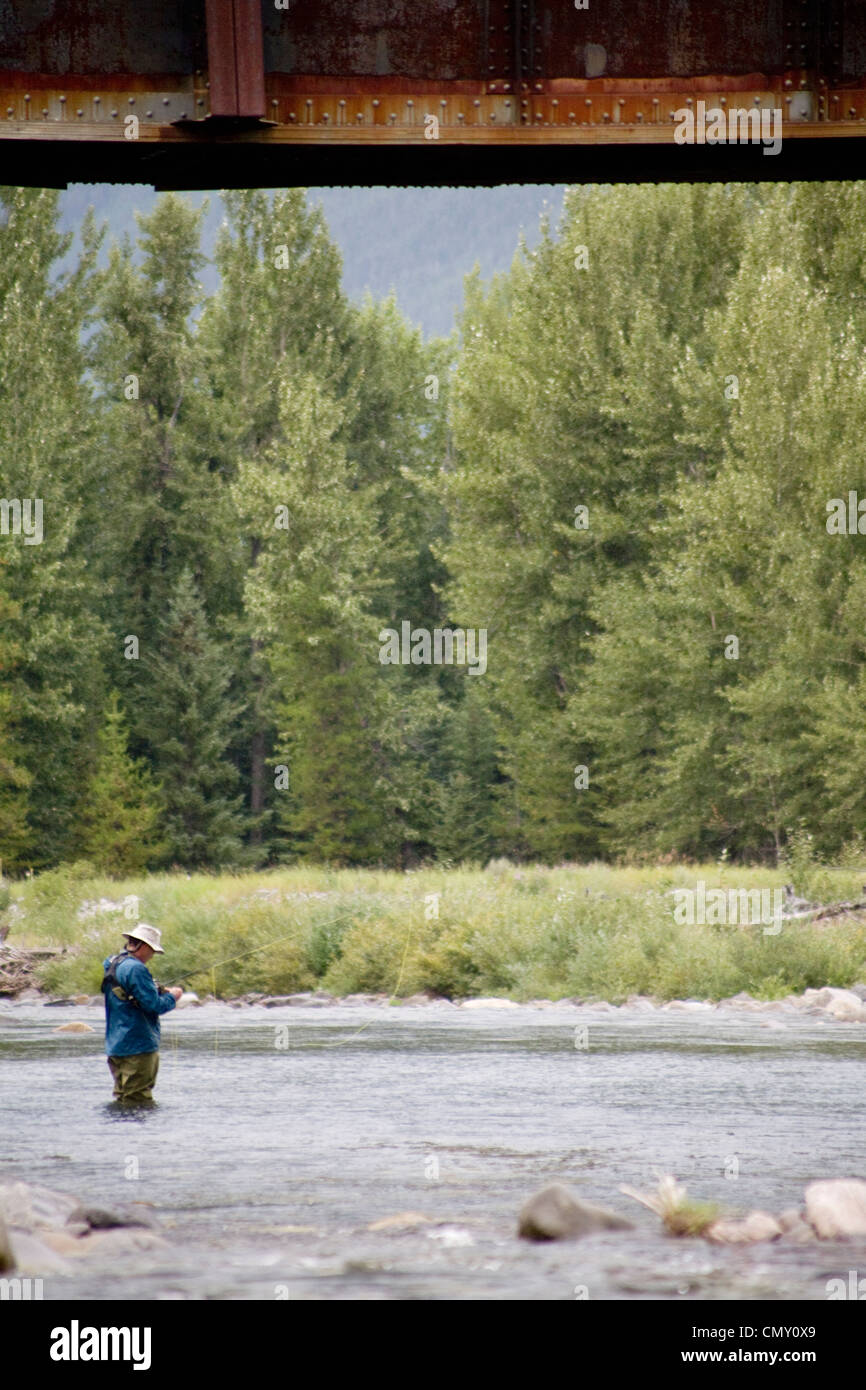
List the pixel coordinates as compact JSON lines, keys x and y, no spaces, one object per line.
{"x":522,"y":933}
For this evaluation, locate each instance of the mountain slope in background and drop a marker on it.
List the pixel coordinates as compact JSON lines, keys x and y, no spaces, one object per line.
{"x":418,"y":242}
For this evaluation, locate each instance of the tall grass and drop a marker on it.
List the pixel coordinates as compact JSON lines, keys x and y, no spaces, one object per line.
{"x":588,"y":931}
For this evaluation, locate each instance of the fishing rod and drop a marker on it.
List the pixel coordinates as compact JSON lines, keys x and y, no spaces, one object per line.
{"x":205,"y":969}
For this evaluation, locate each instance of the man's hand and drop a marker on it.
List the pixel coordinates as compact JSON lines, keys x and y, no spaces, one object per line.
{"x":175,"y":993}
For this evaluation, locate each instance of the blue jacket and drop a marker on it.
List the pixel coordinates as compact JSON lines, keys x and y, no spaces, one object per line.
{"x":128,"y":1030}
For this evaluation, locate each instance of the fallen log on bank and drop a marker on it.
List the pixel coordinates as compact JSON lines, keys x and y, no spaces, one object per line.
{"x":17,"y":964}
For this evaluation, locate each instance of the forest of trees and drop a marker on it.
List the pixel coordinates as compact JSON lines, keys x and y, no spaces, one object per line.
{"x":624,"y":472}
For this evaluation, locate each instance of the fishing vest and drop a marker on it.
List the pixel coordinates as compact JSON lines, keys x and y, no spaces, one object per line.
{"x":111,"y":982}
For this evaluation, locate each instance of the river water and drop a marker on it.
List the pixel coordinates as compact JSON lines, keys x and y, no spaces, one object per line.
{"x":281,"y":1134}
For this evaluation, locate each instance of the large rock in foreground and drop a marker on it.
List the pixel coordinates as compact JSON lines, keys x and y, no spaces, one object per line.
{"x":554,"y":1213}
{"x":32,"y":1207}
{"x":46,"y":1228}
{"x":7,"y":1259}
{"x":837,"y":1207}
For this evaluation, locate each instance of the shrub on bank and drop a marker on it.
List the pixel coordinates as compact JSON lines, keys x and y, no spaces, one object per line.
{"x":587,"y":931}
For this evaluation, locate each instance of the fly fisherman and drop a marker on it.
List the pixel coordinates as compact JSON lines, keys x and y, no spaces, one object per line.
{"x":133,"y":1005}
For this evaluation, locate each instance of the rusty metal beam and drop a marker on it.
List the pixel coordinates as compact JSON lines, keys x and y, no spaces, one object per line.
{"x":235,"y":58}
{"x":249,"y":58}
{"x":222,"y":69}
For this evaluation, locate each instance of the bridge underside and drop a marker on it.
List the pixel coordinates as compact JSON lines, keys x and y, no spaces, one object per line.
{"x":465,"y":91}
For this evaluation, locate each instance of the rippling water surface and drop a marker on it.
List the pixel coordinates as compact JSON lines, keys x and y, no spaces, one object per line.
{"x":281,"y":1134}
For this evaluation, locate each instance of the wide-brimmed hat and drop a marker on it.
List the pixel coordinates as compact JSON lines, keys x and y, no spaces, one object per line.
{"x":151,"y":936}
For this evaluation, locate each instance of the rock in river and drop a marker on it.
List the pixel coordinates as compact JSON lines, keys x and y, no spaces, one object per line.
{"x":841,"y":1004}
{"x":400,"y":1221}
{"x":554,"y":1213}
{"x":758,"y":1225}
{"x":100,"y":1218}
{"x":7,"y":1259}
{"x":73,"y":1028}
{"x":837,"y":1207}
{"x":47,"y":1228}
{"x":33,"y":1208}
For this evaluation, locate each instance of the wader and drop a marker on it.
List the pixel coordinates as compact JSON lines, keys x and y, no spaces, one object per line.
{"x":134,"y":1077}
